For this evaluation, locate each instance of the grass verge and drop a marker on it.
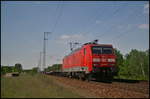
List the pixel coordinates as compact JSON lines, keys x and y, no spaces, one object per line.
{"x":33,"y":86}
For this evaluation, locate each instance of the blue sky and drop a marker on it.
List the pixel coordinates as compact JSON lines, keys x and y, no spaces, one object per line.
{"x":125,"y":25}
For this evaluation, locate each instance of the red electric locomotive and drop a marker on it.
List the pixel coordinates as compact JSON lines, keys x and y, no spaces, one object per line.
{"x":92,"y":60}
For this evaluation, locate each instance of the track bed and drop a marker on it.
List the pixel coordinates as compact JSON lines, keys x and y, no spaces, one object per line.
{"x":105,"y":90}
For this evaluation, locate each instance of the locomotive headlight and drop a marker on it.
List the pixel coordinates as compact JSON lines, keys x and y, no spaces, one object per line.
{"x":96,"y":60}
{"x":111,"y":60}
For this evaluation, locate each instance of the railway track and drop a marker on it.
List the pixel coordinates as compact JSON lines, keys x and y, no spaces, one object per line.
{"x":142,"y":87}
{"x":107,"y":90}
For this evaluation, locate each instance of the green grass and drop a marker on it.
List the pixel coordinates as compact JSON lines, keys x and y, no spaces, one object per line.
{"x":33,"y":86}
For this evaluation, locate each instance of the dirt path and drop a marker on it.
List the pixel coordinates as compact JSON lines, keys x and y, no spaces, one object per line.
{"x":105,"y":90}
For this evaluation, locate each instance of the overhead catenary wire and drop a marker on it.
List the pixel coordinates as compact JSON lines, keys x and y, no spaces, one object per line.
{"x":125,"y":32}
{"x":59,"y":9}
{"x":58,"y":16}
{"x":116,"y":11}
{"x":93,"y":18}
{"x":112,"y":15}
{"x":113,"y":26}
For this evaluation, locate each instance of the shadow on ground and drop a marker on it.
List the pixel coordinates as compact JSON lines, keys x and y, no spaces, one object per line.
{"x":118,"y":80}
{"x":126,"y":80}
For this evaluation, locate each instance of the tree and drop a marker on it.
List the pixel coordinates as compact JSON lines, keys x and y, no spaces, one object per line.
{"x":119,"y":60}
{"x":137,"y":64}
{"x":54,"y":67}
{"x":18,"y":67}
{"x":35,"y":69}
{"x":146,"y":64}
{"x":6,"y":69}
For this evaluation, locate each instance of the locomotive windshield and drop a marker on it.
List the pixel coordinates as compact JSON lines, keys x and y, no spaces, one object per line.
{"x":102,"y":50}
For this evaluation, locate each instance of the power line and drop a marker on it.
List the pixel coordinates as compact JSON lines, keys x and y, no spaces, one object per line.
{"x":123,"y":33}
{"x":92,"y":17}
{"x":113,"y":27}
{"x":60,"y":9}
{"x":113,"y":14}
{"x":58,"y":16}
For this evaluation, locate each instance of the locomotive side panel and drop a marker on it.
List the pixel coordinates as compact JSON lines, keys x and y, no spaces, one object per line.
{"x":75,"y":62}
{"x":87,"y":58}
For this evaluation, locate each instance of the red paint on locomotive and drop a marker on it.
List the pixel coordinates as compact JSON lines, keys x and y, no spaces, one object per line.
{"x":88,"y":57}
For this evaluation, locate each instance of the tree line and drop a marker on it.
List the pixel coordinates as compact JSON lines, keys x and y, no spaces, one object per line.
{"x":9,"y":69}
{"x":18,"y":69}
{"x":54,"y":67}
{"x":134,"y":65}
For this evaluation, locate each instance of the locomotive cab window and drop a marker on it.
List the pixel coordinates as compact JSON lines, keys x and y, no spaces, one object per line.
{"x":102,"y":50}
{"x":107,"y":50}
{"x":96,"y":50}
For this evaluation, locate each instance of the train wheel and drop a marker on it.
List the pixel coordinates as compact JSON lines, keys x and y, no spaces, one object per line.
{"x":89,"y":77}
{"x":82,"y":76}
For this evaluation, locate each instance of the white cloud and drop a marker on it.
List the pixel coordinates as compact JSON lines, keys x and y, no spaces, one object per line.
{"x":146,"y":8}
{"x":65,"y":37}
{"x":143,"y":26}
{"x":74,"y":36}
